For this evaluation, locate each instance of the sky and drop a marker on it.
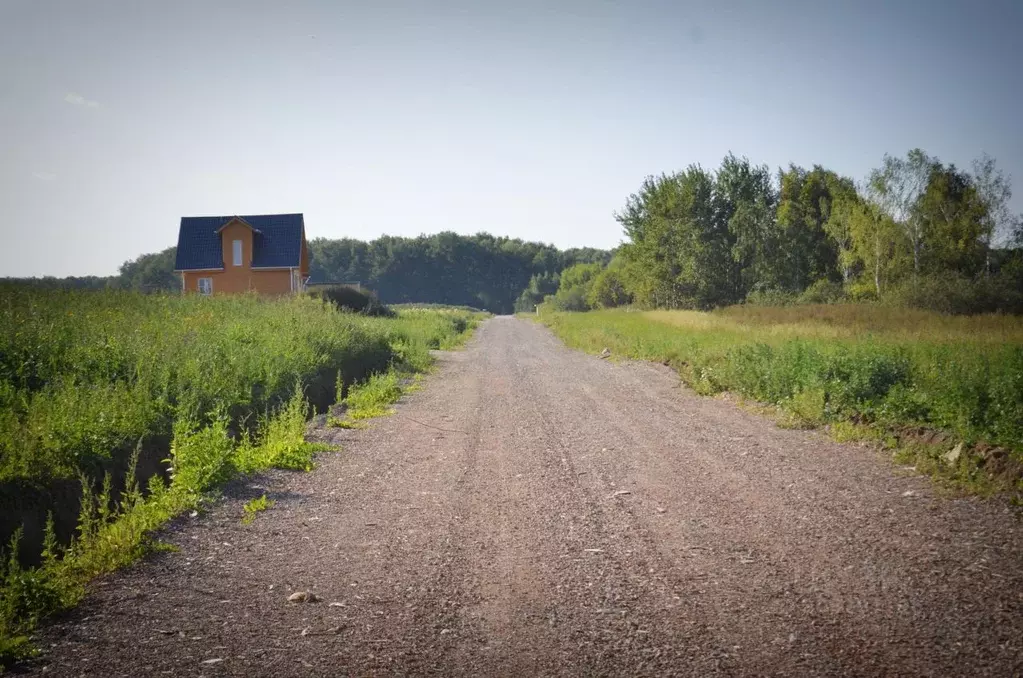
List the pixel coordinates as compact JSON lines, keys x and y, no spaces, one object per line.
{"x":533,"y":119}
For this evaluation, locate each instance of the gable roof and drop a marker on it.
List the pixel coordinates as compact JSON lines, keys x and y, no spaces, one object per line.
{"x":276,"y":241}
{"x":238,"y":220}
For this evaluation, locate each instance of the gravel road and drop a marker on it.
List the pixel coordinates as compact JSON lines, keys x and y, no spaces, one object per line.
{"x":536,"y":511}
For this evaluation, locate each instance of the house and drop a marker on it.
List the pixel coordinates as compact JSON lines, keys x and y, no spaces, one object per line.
{"x":266,"y":253}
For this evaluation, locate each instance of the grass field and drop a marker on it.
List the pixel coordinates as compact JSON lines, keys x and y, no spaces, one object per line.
{"x":923,"y":382}
{"x":120,"y":410}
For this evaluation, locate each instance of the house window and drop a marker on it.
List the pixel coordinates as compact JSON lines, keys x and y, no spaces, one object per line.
{"x":237,"y":247}
{"x":205,"y":285}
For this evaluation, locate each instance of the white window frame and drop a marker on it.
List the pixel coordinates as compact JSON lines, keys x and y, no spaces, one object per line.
{"x":236,"y":250}
{"x":207,"y":288}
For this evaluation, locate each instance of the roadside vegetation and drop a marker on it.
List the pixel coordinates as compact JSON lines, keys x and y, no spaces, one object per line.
{"x":353,"y":300}
{"x":254,"y":507}
{"x":946,"y":392}
{"x":888,"y":309}
{"x":119,"y":411}
{"x":916,"y":233}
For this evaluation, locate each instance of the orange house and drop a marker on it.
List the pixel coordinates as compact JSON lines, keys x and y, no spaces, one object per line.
{"x":266,"y":253}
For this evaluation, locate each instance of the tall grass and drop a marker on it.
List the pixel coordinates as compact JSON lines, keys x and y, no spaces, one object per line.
{"x":147,"y":402}
{"x":894,"y":370}
{"x":85,"y":375}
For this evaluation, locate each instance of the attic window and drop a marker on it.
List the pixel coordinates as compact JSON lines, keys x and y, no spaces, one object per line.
{"x":237,"y":251}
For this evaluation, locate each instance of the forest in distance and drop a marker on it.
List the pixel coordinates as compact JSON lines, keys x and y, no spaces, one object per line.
{"x":915,"y":232}
{"x":481,"y":271}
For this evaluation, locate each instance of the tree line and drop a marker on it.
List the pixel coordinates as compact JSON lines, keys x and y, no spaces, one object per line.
{"x":915,"y":230}
{"x":146,"y":273}
{"x":481,"y":270}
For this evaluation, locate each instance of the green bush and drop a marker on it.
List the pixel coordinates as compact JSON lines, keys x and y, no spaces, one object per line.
{"x":540,"y":286}
{"x":608,"y":290}
{"x":201,"y":456}
{"x":350,"y":299}
{"x":574,"y":288}
{"x":770,"y":297}
{"x":955,"y":294}
{"x":822,"y":292}
{"x":573,"y":299}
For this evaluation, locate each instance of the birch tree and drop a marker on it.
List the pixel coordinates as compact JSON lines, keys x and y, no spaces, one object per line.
{"x":878,"y":241}
{"x":897,"y":186}
{"x":994,"y":189}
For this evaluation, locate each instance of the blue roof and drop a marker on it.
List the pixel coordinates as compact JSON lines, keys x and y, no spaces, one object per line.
{"x":277,"y":241}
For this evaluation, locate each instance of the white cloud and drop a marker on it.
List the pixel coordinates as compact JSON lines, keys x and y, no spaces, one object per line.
{"x":44,"y":176}
{"x":79,"y":100}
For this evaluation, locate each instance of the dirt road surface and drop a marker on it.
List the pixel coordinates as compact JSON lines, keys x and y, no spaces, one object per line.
{"x":536,"y":511}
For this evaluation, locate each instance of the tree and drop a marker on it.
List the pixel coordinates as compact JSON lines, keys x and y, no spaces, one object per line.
{"x":896,"y":187}
{"x":953,"y":215}
{"x":878,"y":242}
{"x":812,"y":244}
{"x":540,"y":286}
{"x":746,"y":201}
{"x":994,"y":190}
{"x":680,"y":249}
{"x":574,"y":288}
{"x":151,"y":273}
{"x":840,"y":229}
{"x":608,"y":289}
{"x":585,"y":255}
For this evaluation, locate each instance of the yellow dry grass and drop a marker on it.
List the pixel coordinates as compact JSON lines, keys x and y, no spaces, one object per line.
{"x":850,"y":321}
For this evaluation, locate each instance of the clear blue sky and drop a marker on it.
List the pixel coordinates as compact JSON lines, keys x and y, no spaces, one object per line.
{"x":533,"y":119}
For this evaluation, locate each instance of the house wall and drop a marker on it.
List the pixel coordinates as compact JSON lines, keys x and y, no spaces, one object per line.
{"x":277,"y":281}
{"x":235,"y":278}
{"x":304,"y":261}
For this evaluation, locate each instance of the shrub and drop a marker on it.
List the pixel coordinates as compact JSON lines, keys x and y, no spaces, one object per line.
{"x":372,"y":398}
{"x":608,"y":290}
{"x":353,"y":300}
{"x":770,"y":297}
{"x":861,"y":290}
{"x":573,"y":299}
{"x":955,"y":294}
{"x":574,"y":288}
{"x":822,"y":292}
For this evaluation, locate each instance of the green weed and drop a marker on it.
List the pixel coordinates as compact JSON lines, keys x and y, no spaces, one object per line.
{"x":339,"y":422}
{"x":374,"y":397}
{"x":253,"y":507}
{"x":280,"y":440}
